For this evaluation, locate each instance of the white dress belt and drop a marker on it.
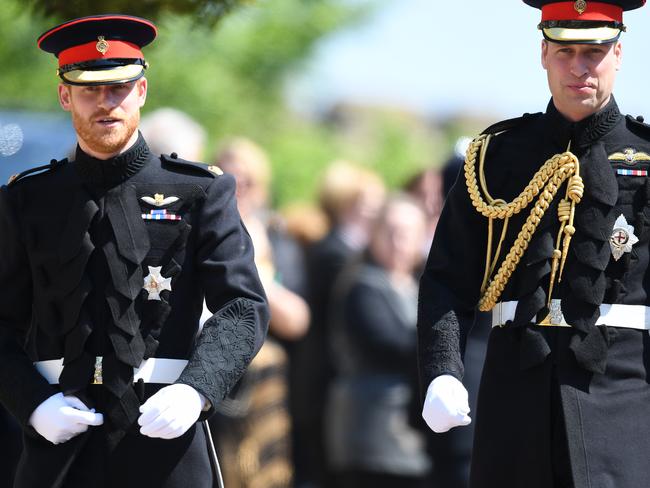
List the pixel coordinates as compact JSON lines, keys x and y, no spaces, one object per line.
{"x":152,"y":370}
{"x":611,"y":314}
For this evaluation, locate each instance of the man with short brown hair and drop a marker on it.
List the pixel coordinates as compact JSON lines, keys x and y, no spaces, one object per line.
{"x":549,"y":229}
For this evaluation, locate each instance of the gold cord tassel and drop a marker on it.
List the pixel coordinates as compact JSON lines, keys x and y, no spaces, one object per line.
{"x":545,"y":183}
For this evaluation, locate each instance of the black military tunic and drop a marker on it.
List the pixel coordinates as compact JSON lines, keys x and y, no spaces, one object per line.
{"x":555,"y":404}
{"x":77,"y":242}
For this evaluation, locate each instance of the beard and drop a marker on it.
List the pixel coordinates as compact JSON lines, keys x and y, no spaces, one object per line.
{"x":106,"y":140}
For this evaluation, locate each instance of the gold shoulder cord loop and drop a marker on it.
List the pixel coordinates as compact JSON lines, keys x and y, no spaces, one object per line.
{"x":545,"y":183}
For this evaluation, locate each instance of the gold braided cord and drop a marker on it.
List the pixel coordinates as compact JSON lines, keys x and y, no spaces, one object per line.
{"x":545,"y":183}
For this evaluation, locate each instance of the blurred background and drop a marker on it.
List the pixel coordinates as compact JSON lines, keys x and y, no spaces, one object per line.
{"x":335,"y":116}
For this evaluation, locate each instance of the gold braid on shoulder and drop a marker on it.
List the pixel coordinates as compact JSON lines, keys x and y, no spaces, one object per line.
{"x":546,"y":182}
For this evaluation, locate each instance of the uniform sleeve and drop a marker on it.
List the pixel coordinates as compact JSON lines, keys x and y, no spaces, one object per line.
{"x":450,"y":287}
{"x":22,"y":388}
{"x":233,"y":293}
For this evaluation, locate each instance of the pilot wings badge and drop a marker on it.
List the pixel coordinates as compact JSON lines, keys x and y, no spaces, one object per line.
{"x":159,"y":200}
{"x":629,"y":156}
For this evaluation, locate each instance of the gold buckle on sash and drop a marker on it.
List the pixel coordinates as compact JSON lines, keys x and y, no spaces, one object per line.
{"x":97,"y":375}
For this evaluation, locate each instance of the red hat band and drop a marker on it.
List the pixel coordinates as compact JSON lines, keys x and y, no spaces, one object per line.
{"x":99,"y":49}
{"x":593,"y":11}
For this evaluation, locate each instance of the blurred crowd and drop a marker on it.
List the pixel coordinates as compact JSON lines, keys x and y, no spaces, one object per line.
{"x":332,"y":398}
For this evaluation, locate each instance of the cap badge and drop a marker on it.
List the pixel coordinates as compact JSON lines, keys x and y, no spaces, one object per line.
{"x":155,"y":283}
{"x":102,"y":46}
{"x":580,"y":6}
{"x":629,"y":156}
{"x":159,"y":200}
{"x":215,"y":169}
{"x":622,"y":238}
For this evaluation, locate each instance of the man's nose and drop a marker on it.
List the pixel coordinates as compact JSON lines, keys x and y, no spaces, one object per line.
{"x":579,"y":66}
{"x":108,"y":99}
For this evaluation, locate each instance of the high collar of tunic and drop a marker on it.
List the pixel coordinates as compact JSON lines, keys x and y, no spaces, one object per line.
{"x":115,"y":170}
{"x":584,"y":132}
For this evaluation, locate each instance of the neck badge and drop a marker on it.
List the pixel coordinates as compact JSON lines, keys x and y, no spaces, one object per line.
{"x":155,"y":283}
{"x":622,"y":238}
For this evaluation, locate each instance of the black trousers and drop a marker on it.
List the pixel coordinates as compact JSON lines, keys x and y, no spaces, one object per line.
{"x":535,"y":424}
{"x":368,"y":479}
{"x":520,"y":434}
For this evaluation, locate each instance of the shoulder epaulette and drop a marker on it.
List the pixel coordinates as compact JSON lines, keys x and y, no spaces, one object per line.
{"x":54,"y":164}
{"x":638,"y":122}
{"x":509,"y":123}
{"x":205,"y":168}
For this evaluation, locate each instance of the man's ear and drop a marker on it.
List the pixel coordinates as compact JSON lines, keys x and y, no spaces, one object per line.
{"x":142,"y":90}
{"x":618,"y":52}
{"x":544,"y":52}
{"x":64,"y":97}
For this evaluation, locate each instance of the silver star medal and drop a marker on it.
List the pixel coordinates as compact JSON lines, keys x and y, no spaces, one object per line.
{"x":155,"y":283}
{"x":622,"y":238}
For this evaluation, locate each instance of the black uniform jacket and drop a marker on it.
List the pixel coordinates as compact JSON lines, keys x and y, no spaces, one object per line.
{"x":600,"y":370}
{"x":77,"y":242}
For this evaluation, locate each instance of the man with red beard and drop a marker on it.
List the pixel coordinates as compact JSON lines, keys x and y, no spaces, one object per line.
{"x":105,"y":262}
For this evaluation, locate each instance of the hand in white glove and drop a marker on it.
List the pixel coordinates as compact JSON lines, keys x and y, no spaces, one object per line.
{"x":171,"y":412}
{"x":446,"y":404}
{"x":60,"y":418}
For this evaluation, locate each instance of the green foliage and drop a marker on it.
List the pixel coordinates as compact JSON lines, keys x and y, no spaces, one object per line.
{"x":209,"y":12}
{"x":231,"y":78}
{"x":28,"y":78}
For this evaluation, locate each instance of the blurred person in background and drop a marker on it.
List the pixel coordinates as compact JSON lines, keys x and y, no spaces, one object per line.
{"x":371,"y":441}
{"x":351,"y":197}
{"x":451,"y":452}
{"x":305,"y":222}
{"x":252,"y":427}
{"x":169,"y":130}
{"x":427,"y":188}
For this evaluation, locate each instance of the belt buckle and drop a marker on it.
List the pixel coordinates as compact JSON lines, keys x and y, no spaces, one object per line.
{"x":555,"y":317}
{"x":97,"y":374}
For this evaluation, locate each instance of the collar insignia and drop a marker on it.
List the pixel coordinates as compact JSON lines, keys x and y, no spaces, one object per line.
{"x":155,"y":283}
{"x":580,"y":6}
{"x":102,"y":46}
{"x":629,"y":156}
{"x":215,"y":169}
{"x":159,"y":200}
{"x":622,"y":238}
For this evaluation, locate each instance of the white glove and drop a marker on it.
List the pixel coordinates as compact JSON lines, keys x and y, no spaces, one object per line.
{"x":171,"y":411}
{"x":60,"y":418}
{"x":446,"y":404}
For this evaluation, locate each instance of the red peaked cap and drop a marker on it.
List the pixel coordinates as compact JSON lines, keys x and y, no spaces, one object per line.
{"x":90,"y":47}
{"x":583,"y":21}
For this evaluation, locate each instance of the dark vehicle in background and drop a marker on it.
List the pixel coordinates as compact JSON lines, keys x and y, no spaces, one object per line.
{"x":29,"y":139}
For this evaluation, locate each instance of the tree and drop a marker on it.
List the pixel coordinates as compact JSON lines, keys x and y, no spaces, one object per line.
{"x":230,"y":77}
{"x":208,"y":11}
